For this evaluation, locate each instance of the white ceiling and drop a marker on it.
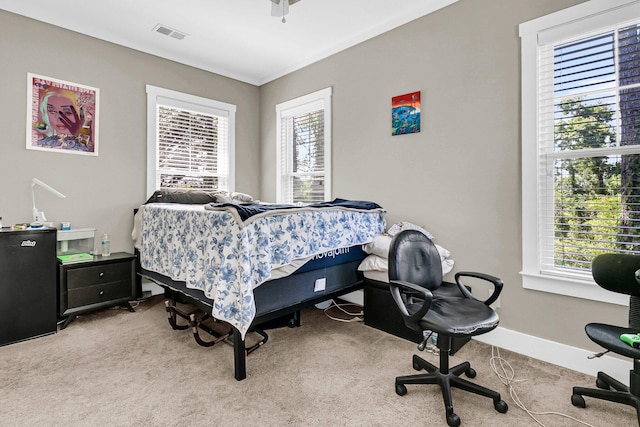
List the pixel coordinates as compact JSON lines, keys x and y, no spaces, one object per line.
{"x":235,"y":38}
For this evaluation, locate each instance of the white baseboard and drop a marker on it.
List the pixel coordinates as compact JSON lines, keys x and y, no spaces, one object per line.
{"x":557,"y":353}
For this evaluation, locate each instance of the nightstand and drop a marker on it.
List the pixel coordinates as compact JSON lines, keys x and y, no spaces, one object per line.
{"x":94,"y":284}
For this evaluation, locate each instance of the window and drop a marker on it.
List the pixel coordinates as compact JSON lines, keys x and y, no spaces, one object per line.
{"x":190,"y":142}
{"x":304,"y":148}
{"x":581,"y":143}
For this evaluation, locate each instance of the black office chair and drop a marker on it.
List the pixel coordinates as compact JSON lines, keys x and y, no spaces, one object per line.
{"x":428,"y":303}
{"x":617,"y":273}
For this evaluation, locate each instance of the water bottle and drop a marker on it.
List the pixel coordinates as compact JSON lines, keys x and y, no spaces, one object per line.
{"x":429,"y":342}
{"x":432,"y":344}
{"x":106,"y":245}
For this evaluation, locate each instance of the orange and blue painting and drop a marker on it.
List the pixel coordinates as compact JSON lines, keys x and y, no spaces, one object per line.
{"x":405,"y":114}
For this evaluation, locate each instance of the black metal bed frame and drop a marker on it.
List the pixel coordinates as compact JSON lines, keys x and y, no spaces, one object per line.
{"x":278,"y":304}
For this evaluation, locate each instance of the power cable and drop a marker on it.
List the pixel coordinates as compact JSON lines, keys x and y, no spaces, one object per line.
{"x":355,"y":317}
{"x":506,"y":374}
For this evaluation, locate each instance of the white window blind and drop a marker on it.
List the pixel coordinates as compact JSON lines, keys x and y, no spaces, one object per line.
{"x":589,"y":148}
{"x":192,"y":149}
{"x":304,"y":149}
{"x":191,"y":142}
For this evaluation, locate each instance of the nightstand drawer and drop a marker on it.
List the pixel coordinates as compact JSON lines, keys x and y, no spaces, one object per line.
{"x":95,"y":294}
{"x":98,"y":274}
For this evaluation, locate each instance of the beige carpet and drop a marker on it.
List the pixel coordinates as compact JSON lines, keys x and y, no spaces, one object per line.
{"x":118,"y":368}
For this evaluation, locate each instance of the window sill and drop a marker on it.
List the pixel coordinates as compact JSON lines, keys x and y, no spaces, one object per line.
{"x":572,"y":287}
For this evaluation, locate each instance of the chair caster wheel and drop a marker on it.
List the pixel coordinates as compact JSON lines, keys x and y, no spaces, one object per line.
{"x":577,"y":400}
{"x":401,"y":390}
{"x":501,"y":406}
{"x":470,"y":373}
{"x":601,"y":384}
{"x":453,"y":420}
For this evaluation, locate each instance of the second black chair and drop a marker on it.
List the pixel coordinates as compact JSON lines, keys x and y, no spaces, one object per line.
{"x":617,"y":273}
{"x":428,"y":304}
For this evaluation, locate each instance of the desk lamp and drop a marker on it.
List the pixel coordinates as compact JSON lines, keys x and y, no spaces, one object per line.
{"x":38,"y":216}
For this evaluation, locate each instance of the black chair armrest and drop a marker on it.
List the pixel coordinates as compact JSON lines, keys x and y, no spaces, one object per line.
{"x":425,"y":293}
{"x":497,"y":285}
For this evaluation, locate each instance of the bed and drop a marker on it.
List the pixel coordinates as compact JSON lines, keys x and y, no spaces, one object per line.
{"x":249,"y":263}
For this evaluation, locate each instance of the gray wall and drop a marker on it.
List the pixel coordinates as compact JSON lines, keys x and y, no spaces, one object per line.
{"x":101,"y":191}
{"x":460,"y":176}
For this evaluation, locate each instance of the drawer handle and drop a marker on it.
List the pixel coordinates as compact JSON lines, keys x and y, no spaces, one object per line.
{"x":101,"y":274}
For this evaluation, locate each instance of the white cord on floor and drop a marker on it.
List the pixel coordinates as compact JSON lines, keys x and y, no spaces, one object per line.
{"x":356,"y":316}
{"x":506,"y":374}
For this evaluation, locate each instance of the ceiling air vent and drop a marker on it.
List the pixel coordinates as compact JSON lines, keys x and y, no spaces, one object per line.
{"x":163,"y":29}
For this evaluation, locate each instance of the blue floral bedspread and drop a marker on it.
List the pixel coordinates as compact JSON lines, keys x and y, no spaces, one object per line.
{"x":211,"y":251}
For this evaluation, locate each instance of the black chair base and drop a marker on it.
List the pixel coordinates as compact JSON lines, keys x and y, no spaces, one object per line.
{"x":447,"y":378}
{"x":609,"y":389}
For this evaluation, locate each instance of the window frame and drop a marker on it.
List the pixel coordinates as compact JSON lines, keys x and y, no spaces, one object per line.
{"x":284,"y":109}
{"x":189,"y":102}
{"x":583,"y":18}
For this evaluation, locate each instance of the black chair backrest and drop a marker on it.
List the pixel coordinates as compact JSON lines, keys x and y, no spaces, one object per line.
{"x":617,"y":273}
{"x":414,"y":258}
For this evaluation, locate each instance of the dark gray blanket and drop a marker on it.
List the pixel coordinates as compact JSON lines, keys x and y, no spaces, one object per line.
{"x":247,"y":210}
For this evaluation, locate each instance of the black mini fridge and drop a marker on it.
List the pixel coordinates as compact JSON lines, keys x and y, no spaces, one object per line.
{"x":28,"y":294}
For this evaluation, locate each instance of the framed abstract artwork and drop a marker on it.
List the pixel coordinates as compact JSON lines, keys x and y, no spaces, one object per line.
{"x":62,"y":116}
{"x":405,"y":114}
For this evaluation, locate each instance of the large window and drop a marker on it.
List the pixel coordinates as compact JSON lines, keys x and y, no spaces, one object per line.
{"x":581,"y":142}
{"x":304,"y":148}
{"x":190,"y":142}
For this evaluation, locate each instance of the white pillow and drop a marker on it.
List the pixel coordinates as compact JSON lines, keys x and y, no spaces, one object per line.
{"x":381,"y":242}
{"x":406,"y":225}
{"x":444,"y":254}
{"x":374,"y":262}
{"x":379,"y":246}
{"x":447,"y":266}
{"x":241,"y":197}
